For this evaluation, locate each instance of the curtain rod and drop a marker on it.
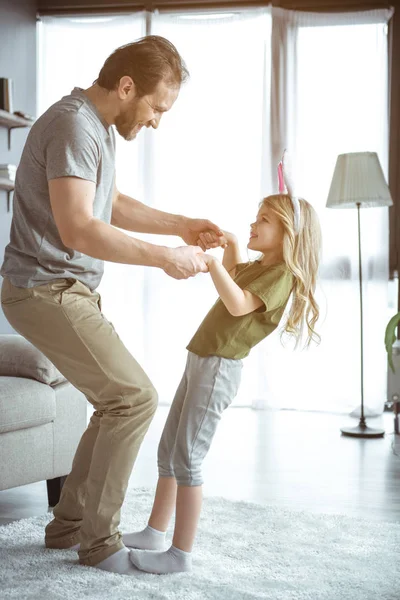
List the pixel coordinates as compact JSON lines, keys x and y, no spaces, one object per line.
{"x":121,"y":10}
{"x":207,"y":7}
{"x":118,"y":8}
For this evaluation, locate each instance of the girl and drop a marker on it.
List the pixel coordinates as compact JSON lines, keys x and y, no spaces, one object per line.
{"x":252,"y":300}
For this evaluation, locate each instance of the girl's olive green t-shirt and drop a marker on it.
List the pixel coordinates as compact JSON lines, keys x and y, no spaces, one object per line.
{"x":222,"y":334}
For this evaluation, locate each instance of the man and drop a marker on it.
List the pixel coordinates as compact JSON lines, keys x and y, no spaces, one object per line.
{"x":65,"y":206}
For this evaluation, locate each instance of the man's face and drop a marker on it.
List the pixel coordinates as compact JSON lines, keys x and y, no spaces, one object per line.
{"x":146,"y":111}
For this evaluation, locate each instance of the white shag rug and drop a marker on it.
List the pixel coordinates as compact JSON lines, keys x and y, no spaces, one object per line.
{"x":243,"y":551}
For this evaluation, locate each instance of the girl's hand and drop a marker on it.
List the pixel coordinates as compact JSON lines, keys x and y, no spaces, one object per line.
{"x":192,"y":228}
{"x":209,"y":240}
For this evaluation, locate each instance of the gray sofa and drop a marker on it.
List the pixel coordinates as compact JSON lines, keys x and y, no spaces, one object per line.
{"x":42,"y":418}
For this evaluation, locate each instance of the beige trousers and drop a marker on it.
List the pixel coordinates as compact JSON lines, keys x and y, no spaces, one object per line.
{"x":64,"y":320}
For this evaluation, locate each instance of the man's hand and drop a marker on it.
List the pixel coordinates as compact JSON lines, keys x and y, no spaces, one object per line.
{"x":185,"y":262}
{"x":192,"y":228}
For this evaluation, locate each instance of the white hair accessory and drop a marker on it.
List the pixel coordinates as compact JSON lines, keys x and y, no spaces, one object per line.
{"x":285,"y":182}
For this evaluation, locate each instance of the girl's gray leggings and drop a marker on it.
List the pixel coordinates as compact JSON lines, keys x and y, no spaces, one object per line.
{"x":207,"y":388}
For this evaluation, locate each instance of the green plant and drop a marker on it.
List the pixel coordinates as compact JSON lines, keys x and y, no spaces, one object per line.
{"x":390,"y":337}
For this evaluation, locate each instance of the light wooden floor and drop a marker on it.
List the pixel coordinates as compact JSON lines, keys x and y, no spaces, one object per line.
{"x":284,"y":458}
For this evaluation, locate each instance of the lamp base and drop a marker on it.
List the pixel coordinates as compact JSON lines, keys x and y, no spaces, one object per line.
{"x":362,"y":431}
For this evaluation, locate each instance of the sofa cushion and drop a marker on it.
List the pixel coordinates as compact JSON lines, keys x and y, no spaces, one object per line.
{"x":25,"y":403}
{"x":20,"y":358}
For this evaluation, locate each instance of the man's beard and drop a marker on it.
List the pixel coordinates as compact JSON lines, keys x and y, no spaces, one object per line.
{"x":127,"y":121}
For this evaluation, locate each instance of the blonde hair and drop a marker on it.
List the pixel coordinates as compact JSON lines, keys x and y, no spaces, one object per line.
{"x":301,"y":253}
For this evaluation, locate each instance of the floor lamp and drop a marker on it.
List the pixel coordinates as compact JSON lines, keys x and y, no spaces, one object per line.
{"x":358,"y":182}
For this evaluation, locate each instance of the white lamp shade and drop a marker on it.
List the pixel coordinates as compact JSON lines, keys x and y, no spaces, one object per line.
{"x":358,"y":178}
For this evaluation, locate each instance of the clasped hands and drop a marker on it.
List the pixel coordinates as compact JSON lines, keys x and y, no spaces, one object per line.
{"x":204,"y":235}
{"x":199,"y":235}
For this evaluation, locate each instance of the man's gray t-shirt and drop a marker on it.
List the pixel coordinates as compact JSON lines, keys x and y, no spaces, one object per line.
{"x":70,"y":139}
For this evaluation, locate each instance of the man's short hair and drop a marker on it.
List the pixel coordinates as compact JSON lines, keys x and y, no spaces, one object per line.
{"x":148,"y":61}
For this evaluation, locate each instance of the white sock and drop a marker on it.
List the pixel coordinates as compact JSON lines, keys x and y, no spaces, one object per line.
{"x":173,"y":560}
{"x":118,"y":562}
{"x":148,"y":539}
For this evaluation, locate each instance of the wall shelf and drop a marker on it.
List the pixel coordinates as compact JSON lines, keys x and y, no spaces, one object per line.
{"x":11,"y":121}
{"x":8,"y":186}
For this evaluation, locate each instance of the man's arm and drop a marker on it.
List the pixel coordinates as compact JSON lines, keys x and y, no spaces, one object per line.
{"x":237,"y":301}
{"x":71,"y":201}
{"x":132,"y":215}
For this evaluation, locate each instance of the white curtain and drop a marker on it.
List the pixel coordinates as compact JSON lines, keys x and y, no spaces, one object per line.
{"x":329,"y":96}
{"x":71,"y":52}
{"x":260,"y":81}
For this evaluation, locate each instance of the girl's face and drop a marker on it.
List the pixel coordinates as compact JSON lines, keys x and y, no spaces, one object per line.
{"x":266,"y":233}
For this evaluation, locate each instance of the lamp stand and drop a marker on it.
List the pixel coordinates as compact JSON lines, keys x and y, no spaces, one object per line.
{"x":362,"y":430}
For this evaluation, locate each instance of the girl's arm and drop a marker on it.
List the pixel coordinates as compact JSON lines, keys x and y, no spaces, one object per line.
{"x":231,"y":256}
{"x":237,"y":301}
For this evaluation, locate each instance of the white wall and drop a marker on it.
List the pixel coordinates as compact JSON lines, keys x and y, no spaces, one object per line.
{"x":17,"y":61}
